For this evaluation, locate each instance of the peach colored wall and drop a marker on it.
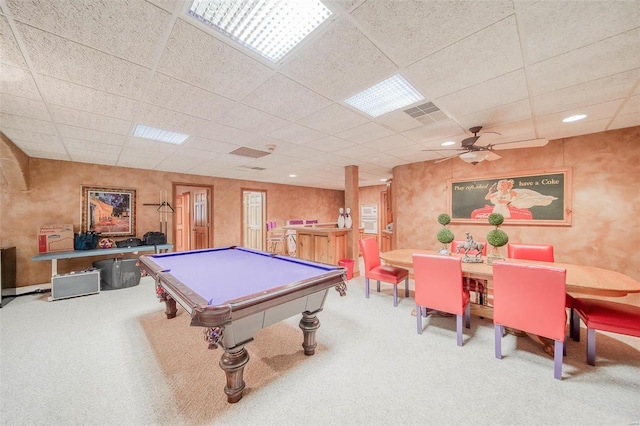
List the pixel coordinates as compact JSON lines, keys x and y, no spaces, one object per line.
{"x":54,"y":196}
{"x":605,"y":189}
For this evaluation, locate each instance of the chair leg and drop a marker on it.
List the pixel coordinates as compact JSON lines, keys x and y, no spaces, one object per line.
{"x":497,"y":331}
{"x":459,"y":329}
{"x":378,"y":286}
{"x":419,"y":318}
{"x":395,"y":295}
{"x":366,"y":287}
{"x":574,"y":325}
{"x":467,"y":316}
{"x":406,"y":287}
{"x":557,"y":359}
{"x":591,"y":346}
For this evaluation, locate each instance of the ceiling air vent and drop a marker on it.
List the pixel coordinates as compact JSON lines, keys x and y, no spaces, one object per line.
{"x":249,"y":152}
{"x":426,"y":113}
{"x":251,"y":167}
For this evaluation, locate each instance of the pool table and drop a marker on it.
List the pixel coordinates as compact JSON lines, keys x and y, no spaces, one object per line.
{"x":233,"y":292}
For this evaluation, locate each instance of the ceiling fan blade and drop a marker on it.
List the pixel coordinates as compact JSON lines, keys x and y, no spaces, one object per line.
{"x":486,"y":138}
{"x":530,"y":143}
{"x":446,"y":158}
{"x":493,"y":156}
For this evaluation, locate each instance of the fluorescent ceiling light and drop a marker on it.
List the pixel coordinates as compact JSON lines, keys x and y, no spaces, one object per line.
{"x":269,"y":27}
{"x":388,"y":95}
{"x":159,"y":135}
{"x":574,"y":118}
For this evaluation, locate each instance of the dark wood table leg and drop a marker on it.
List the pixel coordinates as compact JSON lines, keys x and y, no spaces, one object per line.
{"x":232,"y":362}
{"x":309,"y":324}
{"x":170,"y":305}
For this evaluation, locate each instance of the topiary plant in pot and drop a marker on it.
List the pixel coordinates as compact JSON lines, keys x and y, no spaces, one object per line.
{"x":445,"y":235}
{"x":496,"y":237}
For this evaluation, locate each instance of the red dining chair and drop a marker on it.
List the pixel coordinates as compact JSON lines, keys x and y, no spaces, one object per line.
{"x":544,"y":253}
{"x":608,"y":316}
{"x":373,"y":269}
{"x":530,"y":298}
{"x":478,"y":286}
{"x":438,"y":286}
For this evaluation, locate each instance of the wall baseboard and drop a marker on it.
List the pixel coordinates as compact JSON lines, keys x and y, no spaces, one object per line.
{"x":18,"y":291}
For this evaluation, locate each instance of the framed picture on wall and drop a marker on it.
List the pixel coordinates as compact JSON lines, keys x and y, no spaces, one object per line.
{"x":109,"y":211}
{"x":530,"y":198}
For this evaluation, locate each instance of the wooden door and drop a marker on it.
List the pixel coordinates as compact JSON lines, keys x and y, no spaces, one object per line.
{"x":254,"y":218}
{"x":183,"y":221}
{"x":200,"y":219}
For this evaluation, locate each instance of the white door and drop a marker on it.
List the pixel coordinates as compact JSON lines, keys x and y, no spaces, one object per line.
{"x":253,"y":213}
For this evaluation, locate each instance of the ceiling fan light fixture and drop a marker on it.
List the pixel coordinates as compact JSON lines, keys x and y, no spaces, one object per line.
{"x":573,"y":118}
{"x":474,"y":157}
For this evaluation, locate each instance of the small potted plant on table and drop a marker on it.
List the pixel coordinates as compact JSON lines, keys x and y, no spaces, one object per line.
{"x":445,"y":235}
{"x":496,"y":237}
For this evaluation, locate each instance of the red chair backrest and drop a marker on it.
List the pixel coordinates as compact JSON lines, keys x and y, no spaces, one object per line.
{"x":541,"y":252}
{"x":530,"y":298}
{"x":296,"y":222}
{"x":454,"y":244}
{"x":438,"y":282}
{"x":370,"y":253}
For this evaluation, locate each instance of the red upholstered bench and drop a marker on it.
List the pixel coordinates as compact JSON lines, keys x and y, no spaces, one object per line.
{"x":606,"y":316}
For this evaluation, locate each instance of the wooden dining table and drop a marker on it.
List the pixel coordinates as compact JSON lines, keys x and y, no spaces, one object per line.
{"x":581,"y":280}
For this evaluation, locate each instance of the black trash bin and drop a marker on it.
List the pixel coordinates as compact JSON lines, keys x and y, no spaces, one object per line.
{"x":118,"y":273}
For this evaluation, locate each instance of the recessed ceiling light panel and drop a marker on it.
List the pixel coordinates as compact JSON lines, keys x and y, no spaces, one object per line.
{"x":160,"y":135}
{"x":269,"y":27}
{"x":389,"y":95}
{"x":574,"y":118}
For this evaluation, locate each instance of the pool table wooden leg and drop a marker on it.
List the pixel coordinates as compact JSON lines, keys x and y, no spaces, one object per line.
{"x":309,"y":324}
{"x":170,"y":304}
{"x":232,"y":362}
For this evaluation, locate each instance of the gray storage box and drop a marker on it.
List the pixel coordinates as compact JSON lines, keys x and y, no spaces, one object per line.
{"x":118,"y":273}
{"x":75,"y":284}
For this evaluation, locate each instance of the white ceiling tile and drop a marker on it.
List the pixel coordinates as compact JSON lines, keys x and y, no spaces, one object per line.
{"x":250,"y":119}
{"x":147,"y":163}
{"x":10,"y":121}
{"x":91,"y":135}
{"x":438,"y":129}
{"x":333,"y":119}
{"x":138,"y":147}
{"x":416,"y":153}
{"x":297,"y":134}
{"x":338,"y":73}
{"x":49,"y":155}
{"x":168,"y":5}
{"x":631,"y":106}
{"x":84,"y":98}
{"x":508,"y":113}
{"x":196,"y":154}
{"x":355,"y":151}
{"x":177,"y":163}
{"x":283,"y":97}
{"x":10,"y":53}
{"x":555,"y":131}
{"x":95,"y":157}
{"x":411,"y":30}
{"x":166,"y":119}
{"x":389,"y":143}
{"x":199,"y":58}
{"x":88,"y":120}
{"x":482,"y":56}
{"x":331,"y":144}
{"x":32,"y":136}
{"x":76,"y":145}
{"x":51,"y":56}
{"x":18,"y":82}
{"x":544,"y":25}
{"x":492,"y":93}
{"x":365,"y":132}
{"x":598,"y":117}
{"x":129,"y":29}
{"x":612,"y":87}
{"x":211,"y":145}
{"x":23,"y":107}
{"x":167,"y":92}
{"x":610,"y":56}
{"x":621,"y":121}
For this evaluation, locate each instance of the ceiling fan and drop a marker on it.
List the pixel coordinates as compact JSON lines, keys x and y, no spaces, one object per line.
{"x":478,"y":148}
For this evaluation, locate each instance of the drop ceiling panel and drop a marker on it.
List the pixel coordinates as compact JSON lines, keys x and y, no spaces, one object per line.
{"x":73,"y":117}
{"x":211,"y":145}
{"x":545,"y":25}
{"x":88,"y":146}
{"x":436,"y":130}
{"x":297,"y":134}
{"x":285,"y":98}
{"x":365,"y":132}
{"x":331,"y":144}
{"x":492,"y":93}
{"x":610,"y":56}
{"x":250,"y":119}
{"x":508,"y":113}
{"x":23,"y":107}
{"x":10,"y":121}
{"x":339,"y":73}
{"x":427,"y":26}
{"x":333,"y":119}
{"x":90,"y":135}
{"x":31,"y":136}
{"x":167,"y":92}
{"x":389,"y":143}
{"x":19,"y":82}
{"x":195,"y":56}
{"x":163,"y":118}
{"x":87,"y":99}
{"x":136,"y":161}
{"x":10,"y":53}
{"x":487,"y":54}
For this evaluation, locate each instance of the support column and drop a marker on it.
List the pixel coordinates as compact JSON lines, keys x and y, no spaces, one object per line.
{"x":352,"y":201}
